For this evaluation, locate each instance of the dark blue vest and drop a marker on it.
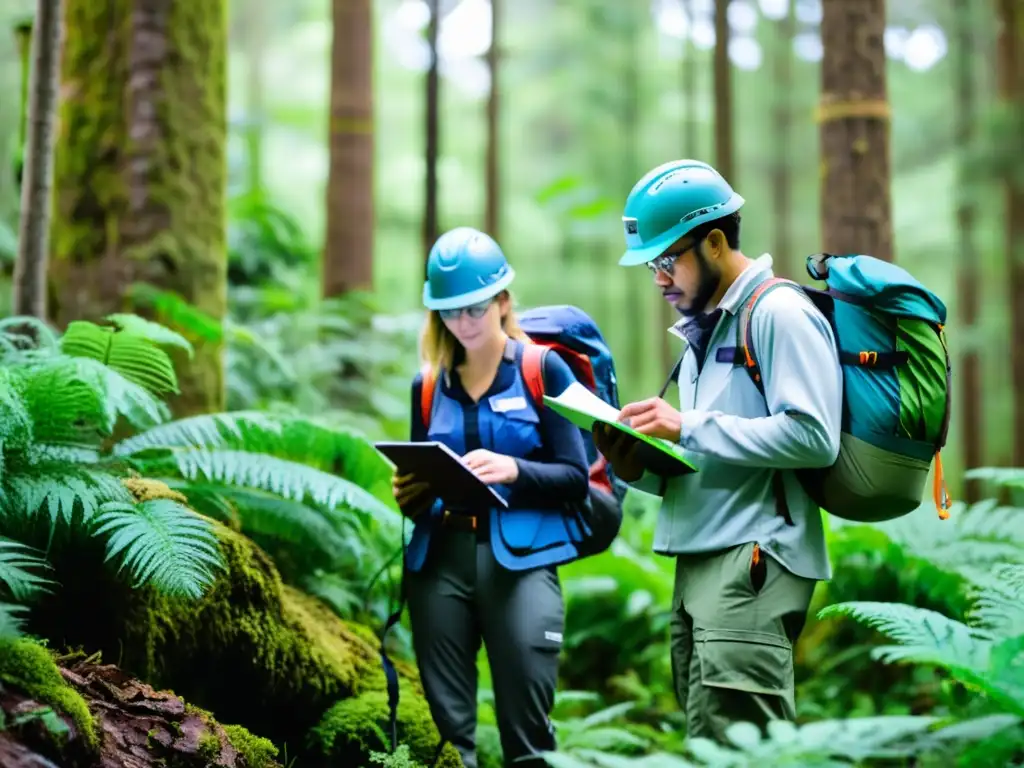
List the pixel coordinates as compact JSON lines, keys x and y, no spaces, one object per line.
{"x":509,"y":424}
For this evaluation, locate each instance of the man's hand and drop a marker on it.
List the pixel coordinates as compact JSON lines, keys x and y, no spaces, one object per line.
{"x":653,"y":417}
{"x":621,"y":450}
{"x":409,"y":494}
{"x":492,"y":468}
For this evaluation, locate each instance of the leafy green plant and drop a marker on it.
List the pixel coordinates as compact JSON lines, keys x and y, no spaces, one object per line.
{"x":314,"y":494}
{"x":57,"y":408}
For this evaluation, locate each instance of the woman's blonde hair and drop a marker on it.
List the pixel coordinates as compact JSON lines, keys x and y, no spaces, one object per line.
{"x":439,"y":348}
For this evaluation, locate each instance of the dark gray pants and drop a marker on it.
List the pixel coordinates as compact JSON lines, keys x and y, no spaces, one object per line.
{"x":463,"y":596}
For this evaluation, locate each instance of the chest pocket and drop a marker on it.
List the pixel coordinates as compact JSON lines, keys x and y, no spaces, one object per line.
{"x":515,"y":426}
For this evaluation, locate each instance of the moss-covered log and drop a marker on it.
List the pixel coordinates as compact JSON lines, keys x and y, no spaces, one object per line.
{"x":140,"y":168}
{"x":253,"y":651}
{"x":84,"y":715}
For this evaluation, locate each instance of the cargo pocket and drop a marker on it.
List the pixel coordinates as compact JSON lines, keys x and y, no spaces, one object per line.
{"x":743,"y":660}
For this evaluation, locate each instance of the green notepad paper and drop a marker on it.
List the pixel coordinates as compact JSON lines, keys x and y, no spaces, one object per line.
{"x":582,"y":407}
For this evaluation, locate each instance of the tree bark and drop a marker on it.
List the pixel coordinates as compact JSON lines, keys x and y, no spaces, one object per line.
{"x":30,"y":265}
{"x":856,"y":209}
{"x":430,"y":232}
{"x":724,"y":149}
{"x":348,"y":257}
{"x":966,"y":84}
{"x":492,"y":214}
{"x":141,"y":170}
{"x":782,"y":123}
{"x":1011,"y":90}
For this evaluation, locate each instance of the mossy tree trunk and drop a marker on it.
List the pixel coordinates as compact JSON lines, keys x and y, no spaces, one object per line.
{"x":141,"y":170}
{"x":856,"y":208}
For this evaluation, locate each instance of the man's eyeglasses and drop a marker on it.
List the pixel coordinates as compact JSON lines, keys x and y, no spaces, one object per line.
{"x":475,"y":311}
{"x":667,"y":261}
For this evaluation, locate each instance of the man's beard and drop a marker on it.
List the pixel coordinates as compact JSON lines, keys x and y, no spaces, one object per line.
{"x":707,"y":284}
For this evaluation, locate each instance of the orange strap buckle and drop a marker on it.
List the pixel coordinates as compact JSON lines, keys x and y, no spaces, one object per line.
{"x":868,"y":358}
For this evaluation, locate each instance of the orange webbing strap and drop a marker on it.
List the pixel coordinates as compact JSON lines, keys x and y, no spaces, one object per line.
{"x":746,"y":337}
{"x":943,"y":501}
{"x":533,"y":373}
{"x":427,"y":393}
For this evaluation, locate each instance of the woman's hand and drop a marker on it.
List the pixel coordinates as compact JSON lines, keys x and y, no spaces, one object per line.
{"x":409,"y":494}
{"x":492,"y":468}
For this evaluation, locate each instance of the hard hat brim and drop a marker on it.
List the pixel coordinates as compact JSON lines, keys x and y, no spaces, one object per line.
{"x":634,"y":257}
{"x":468,"y":299}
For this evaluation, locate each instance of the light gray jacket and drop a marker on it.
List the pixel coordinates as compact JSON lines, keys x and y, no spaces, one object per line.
{"x":738,"y":438}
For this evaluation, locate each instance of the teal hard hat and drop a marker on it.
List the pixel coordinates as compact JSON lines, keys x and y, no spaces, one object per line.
{"x":670,"y":201}
{"x":465,"y":267}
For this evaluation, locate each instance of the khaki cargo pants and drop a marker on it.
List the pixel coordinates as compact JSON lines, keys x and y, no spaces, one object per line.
{"x":736,"y":615}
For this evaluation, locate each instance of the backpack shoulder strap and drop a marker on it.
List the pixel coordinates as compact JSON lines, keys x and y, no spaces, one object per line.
{"x":427,"y":393}
{"x":745,"y":332}
{"x":533,"y":371}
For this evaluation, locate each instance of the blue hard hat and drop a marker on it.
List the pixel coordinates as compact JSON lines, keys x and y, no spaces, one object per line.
{"x":465,"y":267}
{"x":670,"y":201}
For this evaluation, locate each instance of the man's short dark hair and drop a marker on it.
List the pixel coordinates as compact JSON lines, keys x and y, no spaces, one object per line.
{"x":730,"y":226}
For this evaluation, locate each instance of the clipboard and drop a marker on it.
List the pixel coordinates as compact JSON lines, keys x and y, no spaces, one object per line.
{"x":439,"y":466}
{"x":580,"y":406}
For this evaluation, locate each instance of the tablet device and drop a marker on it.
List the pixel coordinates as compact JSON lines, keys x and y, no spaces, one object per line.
{"x":450,"y":479}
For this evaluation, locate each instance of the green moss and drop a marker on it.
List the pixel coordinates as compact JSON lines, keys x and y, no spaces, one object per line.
{"x":257,"y":751}
{"x":252,"y":651}
{"x":29,"y":666}
{"x":140,"y":170}
{"x":351,"y":728}
{"x":209,"y":746}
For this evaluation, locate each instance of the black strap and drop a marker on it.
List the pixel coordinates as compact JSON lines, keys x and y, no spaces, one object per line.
{"x":673,"y":375}
{"x":881,"y":360}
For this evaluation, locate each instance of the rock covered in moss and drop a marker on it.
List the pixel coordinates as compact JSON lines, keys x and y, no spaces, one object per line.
{"x":104,"y":718}
{"x":253,"y":650}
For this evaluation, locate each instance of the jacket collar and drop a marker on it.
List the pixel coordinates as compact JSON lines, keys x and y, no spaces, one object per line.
{"x":759,"y":270}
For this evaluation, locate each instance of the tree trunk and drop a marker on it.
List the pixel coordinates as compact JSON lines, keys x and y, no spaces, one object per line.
{"x":782,"y":122}
{"x":348,"y":256}
{"x":492,"y":213}
{"x":1011,"y":91}
{"x":724,"y":149}
{"x":971,"y":420}
{"x":431,"y":150}
{"x":141,"y":169}
{"x":856,"y":209}
{"x":34,"y":233}
{"x":688,"y":85}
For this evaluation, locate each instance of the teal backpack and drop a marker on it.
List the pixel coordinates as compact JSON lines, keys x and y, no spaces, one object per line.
{"x":896,"y":386}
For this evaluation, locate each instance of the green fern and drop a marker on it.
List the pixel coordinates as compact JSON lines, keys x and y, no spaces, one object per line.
{"x":11,"y":620}
{"x":18,"y":566}
{"x":61,"y":491}
{"x":287,"y":479}
{"x":161,"y":543}
{"x":128,"y":350}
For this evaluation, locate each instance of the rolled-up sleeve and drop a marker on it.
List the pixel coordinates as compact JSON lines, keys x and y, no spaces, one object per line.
{"x":799,"y":363}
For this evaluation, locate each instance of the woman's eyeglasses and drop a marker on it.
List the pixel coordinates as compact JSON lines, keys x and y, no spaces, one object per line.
{"x":475,"y":311}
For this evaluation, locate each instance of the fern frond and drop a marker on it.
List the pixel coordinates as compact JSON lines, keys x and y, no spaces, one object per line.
{"x":161,"y":543}
{"x":306,"y":529}
{"x":335,"y":449}
{"x":204,"y":431}
{"x":285,"y":478}
{"x":11,"y":621}
{"x":133,"y":356}
{"x":924,"y":635}
{"x":65,"y":407}
{"x":157,"y":334}
{"x":1009,"y":477}
{"x":124,"y":397}
{"x":17,"y":565}
{"x":998,"y":600}
{"x":974,"y":537}
{"x":59,"y":489}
